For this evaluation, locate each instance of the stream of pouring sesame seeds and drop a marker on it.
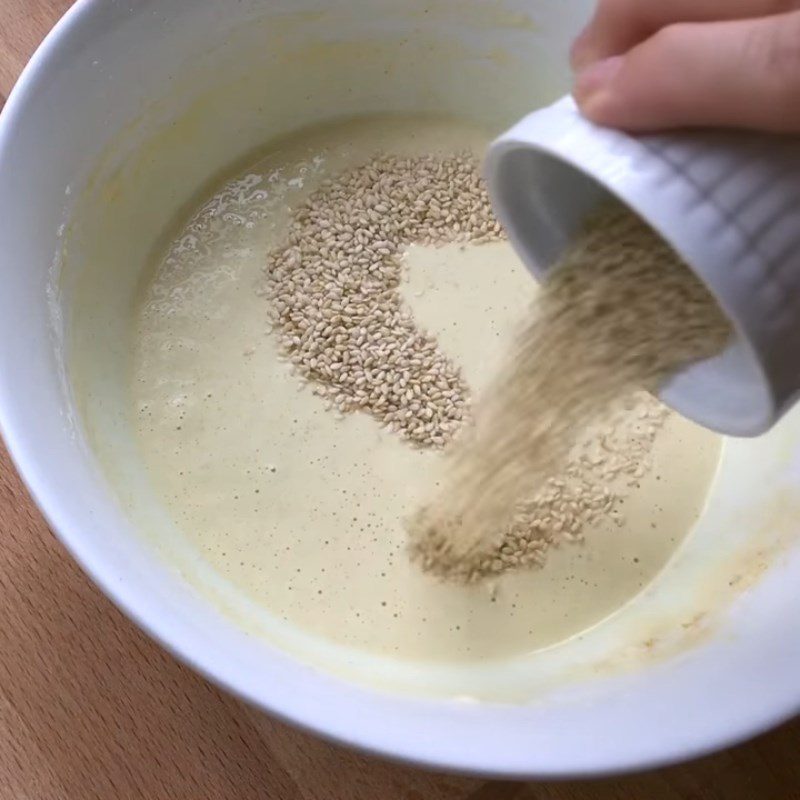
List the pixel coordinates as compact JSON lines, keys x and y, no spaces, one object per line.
{"x":395,"y":370}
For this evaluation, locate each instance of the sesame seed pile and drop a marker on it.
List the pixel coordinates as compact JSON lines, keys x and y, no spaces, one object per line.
{"x":619,"y":314}
{"x":334,"y":289}
{"x":597,"y":478}
{"x":564,"y":433}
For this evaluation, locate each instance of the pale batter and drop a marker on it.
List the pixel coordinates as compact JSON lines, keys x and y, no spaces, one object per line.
{"x":300,"y":510}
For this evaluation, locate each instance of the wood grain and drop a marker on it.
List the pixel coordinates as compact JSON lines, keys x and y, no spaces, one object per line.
{"x":91,"y":708}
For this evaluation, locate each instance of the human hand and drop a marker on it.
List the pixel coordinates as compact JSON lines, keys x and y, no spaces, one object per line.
{"x":644,"y":65}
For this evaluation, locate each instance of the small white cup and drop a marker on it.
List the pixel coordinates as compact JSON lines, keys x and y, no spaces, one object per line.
{"x":728,"y":202}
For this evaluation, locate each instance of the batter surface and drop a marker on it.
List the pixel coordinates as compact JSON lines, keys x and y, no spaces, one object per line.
{"x":298,"y":509}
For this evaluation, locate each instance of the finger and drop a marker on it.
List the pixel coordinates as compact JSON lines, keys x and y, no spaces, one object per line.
{"x":619,"y":25}
{"x":743,"y":74}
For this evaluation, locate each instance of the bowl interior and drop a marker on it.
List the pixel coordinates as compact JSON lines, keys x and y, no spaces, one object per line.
{"x":124,"y":116}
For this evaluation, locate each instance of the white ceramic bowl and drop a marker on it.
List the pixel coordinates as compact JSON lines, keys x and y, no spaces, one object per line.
{"x":126,"y":111}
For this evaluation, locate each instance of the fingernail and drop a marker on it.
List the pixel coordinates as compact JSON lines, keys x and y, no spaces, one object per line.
{"x":597,"y":77}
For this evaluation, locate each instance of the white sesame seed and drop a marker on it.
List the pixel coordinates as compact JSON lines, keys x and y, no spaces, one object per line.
{"x":342,"y":256}
{"x":558,"y":440}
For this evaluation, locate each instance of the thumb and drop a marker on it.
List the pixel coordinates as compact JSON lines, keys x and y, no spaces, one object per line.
{"x":743,"y":74}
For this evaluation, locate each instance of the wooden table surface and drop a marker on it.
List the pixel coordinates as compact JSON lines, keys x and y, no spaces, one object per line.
{"x":91,"y":708}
